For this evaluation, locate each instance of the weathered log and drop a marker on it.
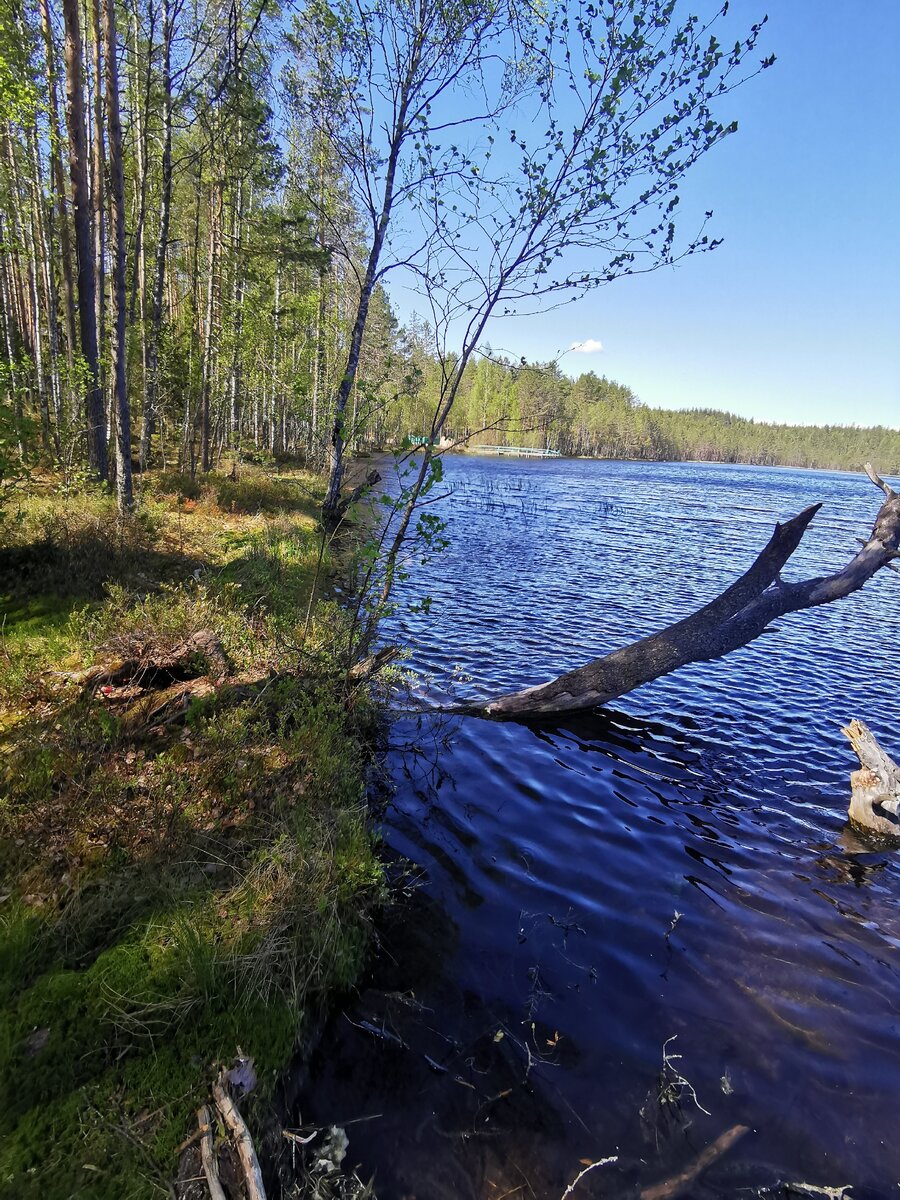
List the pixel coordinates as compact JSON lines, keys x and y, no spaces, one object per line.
{"x":153,"y":670}
{"x":208,"y":1155}
{"x":738,"y":616}
{"x":234,"y":1122}
{"x":875,"y":796}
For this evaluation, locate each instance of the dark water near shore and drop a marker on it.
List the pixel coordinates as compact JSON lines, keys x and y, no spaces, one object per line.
{"x":677,"y":867}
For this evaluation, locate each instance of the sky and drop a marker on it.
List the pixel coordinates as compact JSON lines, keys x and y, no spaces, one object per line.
{"x":796,"y":316}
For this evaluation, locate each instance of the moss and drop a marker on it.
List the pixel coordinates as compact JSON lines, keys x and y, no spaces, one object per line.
{"x":168,"y":900}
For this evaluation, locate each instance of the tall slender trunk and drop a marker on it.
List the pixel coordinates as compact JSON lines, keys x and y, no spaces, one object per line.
{"x":31,"y":246}
{"x":237,"y":305}
{"x":142,"y":121}
{"x":10,"y":336}
{"x":159,"y":267}
{"x":117,"y":251}
{"x":44,"y":236}
{"x":209,"y":341}
{"x":59,"y":186}
{"x":75,"y":121}
{"x":98,"y":172}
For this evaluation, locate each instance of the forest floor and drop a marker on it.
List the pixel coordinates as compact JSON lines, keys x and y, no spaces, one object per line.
{"x":180,"y":879}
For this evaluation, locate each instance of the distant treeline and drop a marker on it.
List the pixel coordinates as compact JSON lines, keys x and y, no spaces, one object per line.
{"x":596,"y":417}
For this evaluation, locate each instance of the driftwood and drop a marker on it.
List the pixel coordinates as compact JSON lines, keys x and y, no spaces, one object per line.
{"x":208,"y":1156}
{"x":234,"y":1122}
{"x":875,"y":796}
{"x":742,"y":612}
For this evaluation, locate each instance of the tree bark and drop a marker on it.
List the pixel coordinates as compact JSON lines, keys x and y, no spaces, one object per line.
{"x":743,"y":612}
{"x":59,"y":185}
{"x":75,"y":122}
{"x":98,"y":173}
{"x":209,"y":341}
{"x":117,"y":248}
{"x":159,"y":268}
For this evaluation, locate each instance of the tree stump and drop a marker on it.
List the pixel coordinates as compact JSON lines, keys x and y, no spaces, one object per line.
{"x":875,"y":795}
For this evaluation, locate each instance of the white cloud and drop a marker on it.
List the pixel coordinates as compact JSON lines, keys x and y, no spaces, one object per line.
{"x":591,"y":346}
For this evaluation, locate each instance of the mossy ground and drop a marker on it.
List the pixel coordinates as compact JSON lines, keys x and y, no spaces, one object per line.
{"x":169,"y":897}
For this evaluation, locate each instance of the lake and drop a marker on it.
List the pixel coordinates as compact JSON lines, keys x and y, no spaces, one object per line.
{"x":626,"y":934}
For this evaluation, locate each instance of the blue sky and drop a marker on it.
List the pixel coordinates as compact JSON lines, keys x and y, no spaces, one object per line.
{"x":796,"y":317}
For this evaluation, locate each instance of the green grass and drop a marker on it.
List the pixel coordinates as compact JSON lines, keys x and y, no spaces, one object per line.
{"x":168,"y":896}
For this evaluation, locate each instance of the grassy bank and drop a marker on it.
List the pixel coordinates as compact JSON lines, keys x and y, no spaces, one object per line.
{"x":177,"y":880}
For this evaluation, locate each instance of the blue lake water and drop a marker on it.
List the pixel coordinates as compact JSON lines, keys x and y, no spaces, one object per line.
{"x":677,"y":866}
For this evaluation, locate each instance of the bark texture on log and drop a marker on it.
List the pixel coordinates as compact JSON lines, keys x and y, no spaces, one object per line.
{"x":738,"y":616}
{"x":234,"y":1122}
{"x":875,"y":796}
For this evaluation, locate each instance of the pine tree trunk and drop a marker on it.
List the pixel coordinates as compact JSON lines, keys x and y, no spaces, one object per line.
{"x":75,"y":121}
{"x":117,"y":254}
{"x":151,"y":401}
{"x":209,"y":341}
{"x":59,"y":186}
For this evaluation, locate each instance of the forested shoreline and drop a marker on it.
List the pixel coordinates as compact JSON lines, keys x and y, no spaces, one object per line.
{"x":182,"y":254}
{"x":594,"y":417}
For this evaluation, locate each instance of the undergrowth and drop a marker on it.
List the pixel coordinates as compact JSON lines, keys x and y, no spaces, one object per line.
{"x":170,"y":894}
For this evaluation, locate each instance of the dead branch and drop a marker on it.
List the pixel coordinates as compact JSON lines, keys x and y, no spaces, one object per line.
{"x":151,"y":670}
{"x":363,"y":671}
{"x":234,"y":1122}
{"x":678,"y":1183}
{"x":208,"y":1154}
{"x":738,"y":616}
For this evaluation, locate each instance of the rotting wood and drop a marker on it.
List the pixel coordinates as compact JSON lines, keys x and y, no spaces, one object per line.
{"x":677,"y":1184}
{"x":208,"y":1156}
{"x":148,"y":669}
{"x":875,"y":795}
{"x":739,"y":615}
{"x":234,"y":1122}
{"x":154,"y":689}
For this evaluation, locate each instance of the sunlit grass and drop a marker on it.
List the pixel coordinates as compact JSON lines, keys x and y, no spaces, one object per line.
{"x":168,"y":895}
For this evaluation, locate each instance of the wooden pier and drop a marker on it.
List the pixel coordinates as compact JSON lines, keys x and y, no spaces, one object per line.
{"x":515,"y":451}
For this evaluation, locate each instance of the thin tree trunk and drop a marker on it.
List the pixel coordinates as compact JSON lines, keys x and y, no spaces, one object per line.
{"x":44,"y":235}
{"x":159,"y":268}
{"x":237,"y":304}
{"x":98,"y":174}
{"x":209,"y":341}
{"x":142,"y":119}
{"x":59,"y":186}
{"x":10,"y":338}
{"x":117,"y":249}
{"x":75,"y":121}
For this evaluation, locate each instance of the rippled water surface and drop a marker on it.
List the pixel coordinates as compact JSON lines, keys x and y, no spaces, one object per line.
{"x":675,"y":867}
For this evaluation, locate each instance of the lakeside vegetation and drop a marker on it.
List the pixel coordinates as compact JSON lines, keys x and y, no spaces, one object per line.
{"x":178,"y":879}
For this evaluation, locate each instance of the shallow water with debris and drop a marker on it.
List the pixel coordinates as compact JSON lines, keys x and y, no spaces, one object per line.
{"x":636,"y":930}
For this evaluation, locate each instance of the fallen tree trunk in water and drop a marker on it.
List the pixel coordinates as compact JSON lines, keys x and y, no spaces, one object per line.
{"x":742,"y":612}
{"x":875,"y":797}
